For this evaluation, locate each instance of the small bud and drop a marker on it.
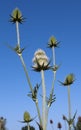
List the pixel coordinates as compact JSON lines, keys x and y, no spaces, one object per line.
{"x":59,"y":125}
{"x":53,"y":42}
{"x":64,"y":118}
{"x":51,"y":121}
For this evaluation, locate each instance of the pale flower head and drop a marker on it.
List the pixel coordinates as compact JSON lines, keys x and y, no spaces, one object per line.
{"x":40,"y":60}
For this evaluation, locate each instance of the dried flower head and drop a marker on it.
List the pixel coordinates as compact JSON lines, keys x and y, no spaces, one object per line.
{"x":64,"y":117}
{"x":40,"y":61}
{"x":59,"y":125}
{"x":79,"y":118}
{"x":51,"y":121}
{"x":16,"y":16}
{"x":68,"y":80}
{"x":53,"y":42}
{"x":78,"y":125}
{"x":2,"y":123}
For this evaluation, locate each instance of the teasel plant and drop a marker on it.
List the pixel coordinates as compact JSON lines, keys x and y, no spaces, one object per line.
{"x":41,"y":63}
{"x":69,"y":80}
{"x":17,"y":18}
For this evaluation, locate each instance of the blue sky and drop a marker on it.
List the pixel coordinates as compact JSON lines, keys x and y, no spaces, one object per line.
{"x":45,"y":18}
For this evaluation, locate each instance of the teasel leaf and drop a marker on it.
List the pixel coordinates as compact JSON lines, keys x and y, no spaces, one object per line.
{"x":19,"y":50}
{"x":56,"y":44}
{"x":35,"y":92}
{"x":70,"y":121}
{"x":28,"y":120}
{"x":50,"y":100}
{"x":16,"y":49}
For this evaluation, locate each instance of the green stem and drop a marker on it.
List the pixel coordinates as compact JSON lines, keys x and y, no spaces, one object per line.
{"x":53,"y":51}
{"x":18,"y":36}
{"x":54,"y":77}
{"x":44,"y":101}
{"x":69,"y":105}
{"x":26,"y":72}
{"x":28,"y":127}
{"x":38,"y":111}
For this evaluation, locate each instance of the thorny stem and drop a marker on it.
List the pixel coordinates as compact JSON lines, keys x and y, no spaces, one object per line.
{"x":38,"y":113}
{"x":52,"y":89}
{"x":25,"y":70}
{"x":18,"y":37}
{"x":44,"y":101}
{"x":28,"y":127}
{"x":69,"y":105}
{"x":53,"y":52}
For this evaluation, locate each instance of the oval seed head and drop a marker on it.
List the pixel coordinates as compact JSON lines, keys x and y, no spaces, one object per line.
{"x":16,"y":16}
{"x":26,"y":117}
{"x":52,"y":42}
{"x":59,"y":125}
{"x":69,"y":79}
